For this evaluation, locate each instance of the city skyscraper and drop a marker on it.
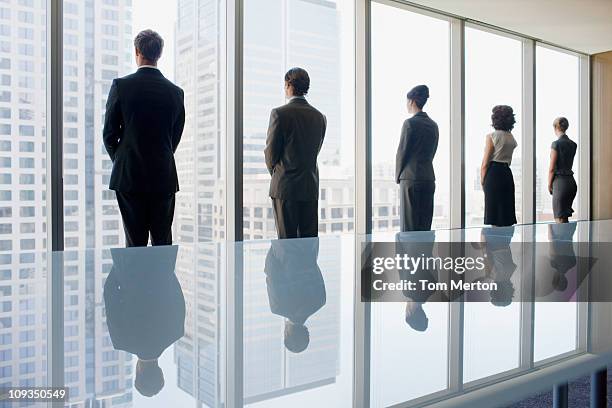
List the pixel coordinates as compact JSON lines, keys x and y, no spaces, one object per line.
{"x":97,"y":49}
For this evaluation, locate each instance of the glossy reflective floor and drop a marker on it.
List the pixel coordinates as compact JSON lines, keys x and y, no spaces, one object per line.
{"x":282,"y":324}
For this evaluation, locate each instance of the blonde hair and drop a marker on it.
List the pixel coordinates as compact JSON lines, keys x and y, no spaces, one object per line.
{"x":561,"y":123}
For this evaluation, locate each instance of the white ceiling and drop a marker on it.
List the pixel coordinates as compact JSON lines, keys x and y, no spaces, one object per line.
{"x":581,"y":25}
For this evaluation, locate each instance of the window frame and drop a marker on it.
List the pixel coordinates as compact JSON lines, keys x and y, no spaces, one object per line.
{"x":232,"y":26}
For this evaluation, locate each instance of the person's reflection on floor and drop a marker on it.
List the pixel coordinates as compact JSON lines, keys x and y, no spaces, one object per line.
{"x":417,"y":244}
{"x":296,"y":289}
{"x":145,"y":309}
{"x":499,"y":263}
{"x":562,"y":254}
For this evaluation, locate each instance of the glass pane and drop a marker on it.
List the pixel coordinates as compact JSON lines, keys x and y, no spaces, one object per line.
{"x":22,"y":127}
{"x":97,"y":50}
{"x":317,"y":36}
{"x":144,"y":303}
{"x":399,"y":62}
{"x":557,"y":94}
{"x":23,"y":320}
{"x":555,"y":324}
{"x":492,"y":331}
{"x":396,"y":345}
{"x":493,"y":76}
{"x":290,"y":285}
{"x":199,"y":66}
{"x":23,"y":262}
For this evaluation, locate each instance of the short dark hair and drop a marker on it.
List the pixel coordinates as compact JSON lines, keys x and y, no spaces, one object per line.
{"x":149,"y":44}
{"x":297,"y":337}
{"x":561,"y":123}
{"x":502,"y":118}
{"x":149,"y":379}
{"x":300,"y":81}
{"x":419,"y":95}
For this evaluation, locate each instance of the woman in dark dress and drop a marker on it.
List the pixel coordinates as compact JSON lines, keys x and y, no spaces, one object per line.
{"x":561,"y":183}
{"x":495,"y":174}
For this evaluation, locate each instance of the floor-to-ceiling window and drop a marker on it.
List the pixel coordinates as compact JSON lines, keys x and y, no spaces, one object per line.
{"x":556,"y":328}
{"x":493,"y":76}
{"x":23,"y":193}
{"x":278,"y":35}
{"x":408,"y":49}
{"x":557,"y":95}
{"x":317,"y":36}
{"x":98,"y":47}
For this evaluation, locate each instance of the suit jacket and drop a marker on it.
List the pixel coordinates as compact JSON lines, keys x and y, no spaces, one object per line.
{"x":295,"y":137}
{"x":144,"y":303}
{"x":296,"y":289}
{"x":417,"y":148}
{"x":144,"y":120}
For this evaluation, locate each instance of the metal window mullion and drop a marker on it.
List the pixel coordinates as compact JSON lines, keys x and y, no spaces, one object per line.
{"x":584,"y":234}
{"x":363,"y":119}
{"x":234,"y":40}
{"x":234,"y":109}
{"x":234,"y":333}
{"x":527,"y":296}
{"x":528,"y":125}
{"x":54,"y":127}
{"x":457,"y":123}
{"x":457,"y":193}
{"x":54,"y":195}
{"x":456,"y":328}
{"x":363,"y":199}
{"x":584,"y":184}
{"x":528,"y":204}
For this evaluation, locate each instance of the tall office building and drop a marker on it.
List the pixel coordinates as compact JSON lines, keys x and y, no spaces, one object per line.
{"x":22,"y":126}
{"x":22,"y":193}
{"x":199,"y":70}
{"x":97,"y":48}
{"x":199,"y":214}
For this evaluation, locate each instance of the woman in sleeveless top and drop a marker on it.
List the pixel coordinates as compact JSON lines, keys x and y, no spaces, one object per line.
{"x":495,"y":174}
{"x":561,"y":183}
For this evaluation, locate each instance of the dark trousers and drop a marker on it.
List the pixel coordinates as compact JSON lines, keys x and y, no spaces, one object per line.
{"x":146,"y":214}
{"x":416,"y":205}
{"x":296,"y":219}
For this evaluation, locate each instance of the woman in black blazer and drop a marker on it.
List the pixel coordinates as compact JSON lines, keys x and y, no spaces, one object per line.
{"x":414,"y":170}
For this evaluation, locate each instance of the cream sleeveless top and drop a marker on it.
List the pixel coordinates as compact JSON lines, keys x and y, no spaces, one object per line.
{"x":503,"y":146}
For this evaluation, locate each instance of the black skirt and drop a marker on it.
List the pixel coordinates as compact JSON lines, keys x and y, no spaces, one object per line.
{"x":499,"y":195}
{"x":564,"y":192}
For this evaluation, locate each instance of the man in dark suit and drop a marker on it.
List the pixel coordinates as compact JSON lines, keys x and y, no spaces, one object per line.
{"x":143,"y":125}
{"x":145,"y":309}
{"x":414,"y":170}
{"x":296,"y":289}
{"x":295,"y":137}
